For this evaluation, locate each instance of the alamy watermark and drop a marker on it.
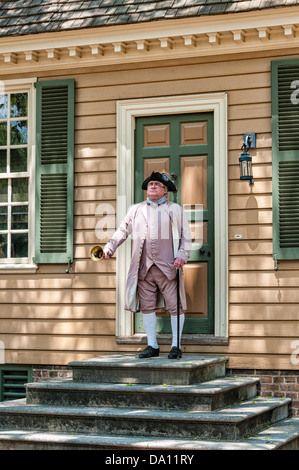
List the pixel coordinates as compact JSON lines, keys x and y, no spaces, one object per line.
{"x":2,"y":353}
{"x":106,"y":225}
{"x":295,"y":353}
{"x":295,"y":344}
{"x":294,"y":95}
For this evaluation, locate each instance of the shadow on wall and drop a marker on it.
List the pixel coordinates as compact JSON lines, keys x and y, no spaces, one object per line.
{"x":252,"y":219}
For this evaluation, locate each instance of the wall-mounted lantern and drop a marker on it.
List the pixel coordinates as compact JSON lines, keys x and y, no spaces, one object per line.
{"x":245,"y":159}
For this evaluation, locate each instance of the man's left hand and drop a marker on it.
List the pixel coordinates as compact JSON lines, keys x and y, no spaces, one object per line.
{"x":178,"y":263}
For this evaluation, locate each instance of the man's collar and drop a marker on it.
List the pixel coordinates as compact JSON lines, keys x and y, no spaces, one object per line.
{"x":154,"y":203}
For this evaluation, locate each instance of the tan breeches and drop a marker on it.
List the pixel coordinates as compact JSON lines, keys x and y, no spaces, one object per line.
{"x":148,"y":289}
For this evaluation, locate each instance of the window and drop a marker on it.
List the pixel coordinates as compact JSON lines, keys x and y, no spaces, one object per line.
{"x":14,"y":176}
{"x":17,"y":134}
{"x":36,"y":173}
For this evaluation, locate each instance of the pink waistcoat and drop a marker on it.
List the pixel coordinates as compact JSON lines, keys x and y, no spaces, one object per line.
{"x":158,"y":245}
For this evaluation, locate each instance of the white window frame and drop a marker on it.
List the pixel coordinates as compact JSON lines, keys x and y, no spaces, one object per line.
{"x":25,"y":86}
{"x":127,"y":112}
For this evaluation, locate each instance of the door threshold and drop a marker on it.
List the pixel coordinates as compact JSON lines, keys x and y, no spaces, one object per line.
{"x":167,"y":338}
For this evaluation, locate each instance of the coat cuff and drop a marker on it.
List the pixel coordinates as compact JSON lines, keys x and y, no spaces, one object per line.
{"x":183,"y":254}
{"x":111,"y":246}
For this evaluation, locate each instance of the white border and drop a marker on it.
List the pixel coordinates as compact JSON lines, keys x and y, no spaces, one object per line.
{"x":127,"y":111}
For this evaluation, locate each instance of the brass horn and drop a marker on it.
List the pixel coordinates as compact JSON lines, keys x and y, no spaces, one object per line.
{"x":97,"y":253}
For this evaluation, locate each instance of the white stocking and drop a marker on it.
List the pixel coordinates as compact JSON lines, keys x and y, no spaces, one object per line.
{"x":174,"y":328}
{"x":149,"y":322}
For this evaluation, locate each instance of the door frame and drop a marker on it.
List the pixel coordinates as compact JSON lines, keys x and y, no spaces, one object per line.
{"x":127,"y":111}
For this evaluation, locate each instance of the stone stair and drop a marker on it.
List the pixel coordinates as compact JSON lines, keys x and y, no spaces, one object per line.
{"x":125,"y":403}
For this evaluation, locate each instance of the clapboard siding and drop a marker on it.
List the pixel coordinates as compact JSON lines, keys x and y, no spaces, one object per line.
{"x":53,"y":317}
{"x":53,"y":282}
{"x":57,"y":312}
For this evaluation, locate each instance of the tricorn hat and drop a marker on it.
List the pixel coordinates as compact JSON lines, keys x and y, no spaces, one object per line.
{"x":162,"y":178}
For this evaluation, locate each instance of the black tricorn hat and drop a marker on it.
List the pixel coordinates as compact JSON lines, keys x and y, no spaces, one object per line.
{"x":162,"y":178}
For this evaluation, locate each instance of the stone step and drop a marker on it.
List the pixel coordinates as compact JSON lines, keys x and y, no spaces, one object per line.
{"x":231,"y":423}
{"x":210,"y":395}
{"x":279,"y":436}
{"x":122,"y":402}
{"x":159,"y":370}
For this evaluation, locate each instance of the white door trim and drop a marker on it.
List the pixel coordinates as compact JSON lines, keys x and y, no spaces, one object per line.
{"x":127,"y":111}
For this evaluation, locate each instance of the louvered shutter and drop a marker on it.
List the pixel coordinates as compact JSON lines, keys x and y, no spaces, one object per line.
{"x":285,"y":154}
{"x":54,"y":171}
{"x":12,"y":381}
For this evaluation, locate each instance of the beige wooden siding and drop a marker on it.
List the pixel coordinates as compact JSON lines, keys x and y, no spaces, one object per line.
{"x":52,"y":317}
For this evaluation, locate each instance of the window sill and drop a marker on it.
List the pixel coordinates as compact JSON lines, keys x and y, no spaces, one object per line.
{"x":18,"y":268}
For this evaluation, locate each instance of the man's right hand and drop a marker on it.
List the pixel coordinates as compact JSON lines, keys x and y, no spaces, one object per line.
{"x":106,"y":254}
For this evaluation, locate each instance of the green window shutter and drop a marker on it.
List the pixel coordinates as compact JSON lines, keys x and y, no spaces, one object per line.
{"x":54,"y":171}
{"x":285,"y":154}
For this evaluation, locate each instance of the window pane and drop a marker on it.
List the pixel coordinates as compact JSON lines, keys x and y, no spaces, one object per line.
{"x":19,"y":245}
{"x":19,"y":190}
{"x":19,"y":217}
{"x":3,"y":218}
{"x":18,"y":132}
{"x":3,"y":245}
{"x":3,"y":106}
{"x":3,"y":190}
{"x":3,"y":133}
{"x":18,"y":105}
{"x":3,"y":161}
{"x":18,"y":160}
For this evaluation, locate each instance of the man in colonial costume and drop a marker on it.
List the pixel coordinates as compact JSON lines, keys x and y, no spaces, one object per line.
{"x":161,"y":245}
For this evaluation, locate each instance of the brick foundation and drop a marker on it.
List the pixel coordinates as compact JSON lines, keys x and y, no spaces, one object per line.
{"x":276,"y":383}
{"x":50,"y":372}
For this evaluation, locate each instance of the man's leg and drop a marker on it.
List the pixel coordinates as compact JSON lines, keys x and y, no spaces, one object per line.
{"x":175,"y":333}
{"x":149,"y":322}
{"x":147,"y":292}
{"x":168,"y":288}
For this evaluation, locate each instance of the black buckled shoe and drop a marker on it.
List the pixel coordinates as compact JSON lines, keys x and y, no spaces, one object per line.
{"x":174,"y":353}
{"x":149,"y":352}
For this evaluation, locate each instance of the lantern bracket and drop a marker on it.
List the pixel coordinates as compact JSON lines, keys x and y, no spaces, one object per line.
{"x":250,"y":140}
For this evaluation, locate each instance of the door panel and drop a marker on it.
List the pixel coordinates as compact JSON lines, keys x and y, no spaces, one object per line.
{"x":193,"y":133}
{"x":156,"y":136}
{"x":196,"y":277}
{"x":182,"y":146}
{"x":194,"y":181}
{"x":157,"y":164}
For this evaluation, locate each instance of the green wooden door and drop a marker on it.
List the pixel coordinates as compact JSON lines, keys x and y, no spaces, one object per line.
{"x":182,"y":146}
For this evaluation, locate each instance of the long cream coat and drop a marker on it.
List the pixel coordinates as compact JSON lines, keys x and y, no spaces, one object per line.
{"x":135,"y":225}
